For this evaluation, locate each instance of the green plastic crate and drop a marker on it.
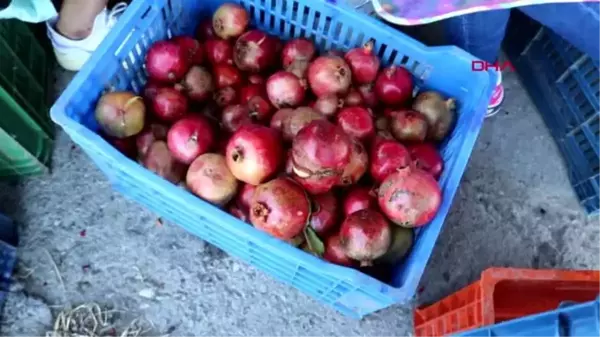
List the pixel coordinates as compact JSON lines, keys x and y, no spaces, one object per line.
{"x":26,"y":131}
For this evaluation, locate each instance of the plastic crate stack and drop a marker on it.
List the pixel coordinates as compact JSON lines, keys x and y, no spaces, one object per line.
{"x":563,"y":83}
{"x":26,"y":131}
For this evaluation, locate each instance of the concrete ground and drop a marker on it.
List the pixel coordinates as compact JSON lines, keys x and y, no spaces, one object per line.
{"x":81,"y":242}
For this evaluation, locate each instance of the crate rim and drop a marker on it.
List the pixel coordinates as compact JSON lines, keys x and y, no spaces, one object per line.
{"x":356,"y":278}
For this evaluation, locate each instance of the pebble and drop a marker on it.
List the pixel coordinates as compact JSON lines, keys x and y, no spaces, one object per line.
{"x":148,"y":293}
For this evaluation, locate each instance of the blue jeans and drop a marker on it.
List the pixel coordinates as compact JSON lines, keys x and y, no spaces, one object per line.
{"x":481,"y":34}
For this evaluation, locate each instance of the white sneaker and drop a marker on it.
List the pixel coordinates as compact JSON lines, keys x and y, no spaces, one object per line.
{"x":72,"y":54}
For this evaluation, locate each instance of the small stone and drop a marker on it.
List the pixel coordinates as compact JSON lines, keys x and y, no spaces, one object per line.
{"x":148,"y":293}
{"x":235,"y":267}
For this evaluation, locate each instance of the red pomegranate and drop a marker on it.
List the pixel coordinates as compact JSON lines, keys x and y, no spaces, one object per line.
{"x":410,"y":197}
{"x":297,"y":120}
{"x":226,"y":75}
{"x":365,"y":235}
{"x":150,"y":90}
{"x":254,"y":153}
{"x":387,"y":156}
{"x":324,"y":216}
{"x":192,"y":48}
{"x":334,"y":252}
{"x":363,"y":63}
{"x":159,"y":160}
{"x":209,"y":178}
{"x":204,"y":31}
{"x":238,"y":212}
{"x":394,"y":86}
{"x":234,"y":116}
{"x":408,"y":126}
{"x":427,"y":158}
{"x":254,"y":51}
{"x":327,"y":105}
{"x":255,"y":79}
{"x":296,"y":56}
{"x":218,"y":51}
{"x":359,"y":163}
{"x":279,"y":117}
{"x":229,"y":21}
{"x":226,"y":96}
{"x":169,"y":104}
{"x":367,"y":92}
{"x":329,"y":75}
{"x":125,"y":145}
{"x":148,"y":136}
{"x":190,"y":137}
{"x":359,"y":197}
{"x":285,"y":90}
{"x":353,"y":98}
{"x":280,"y":208}
{"x":167,"y":62}
{"x":197,"y":84}
{"x":250,"y":91}
{"x":315,"y":184}
{"x":357,"y":122}
{"x":244,"y":198}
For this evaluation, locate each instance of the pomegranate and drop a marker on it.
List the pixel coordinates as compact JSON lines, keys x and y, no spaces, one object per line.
{"x":382,"y":124}
{"x":225,"y":96}
{"x":394,"y":85}
{"x":440,"y":113}
{"x":249,"y":91}
{"x":329,"y":75}
{"x":211,"y":111}
{"x":226,"y":75}
{"x":255,"y":79}
{"x":197,"y":84}
{"x":238,"y":212}
{"x":322,"y":149}
{"x":280,"y":116}
{"x":167,"y":62}
{"x":254,"y":51}
{"x":408,"y":126}
{"x":296,"y":56}
{"x":285,"y":90}
{"x":427,"y":158}
{"x":353,"y":98}
{"x":169,"y":104}
{"x":254,"y":153}
{"x":204,"y":31}
{"x":315,"y":184}
{"x":209,"y":178}
{"x":234,"y":116}
{"x":150,"y":90}
{"x":159,"y":160}
{"x":148,"y":136}
{"x":334,"y":252}
{"x":244,"y":197}
{"x":260,"y":108}
{"x":365,"y":235}
{"x":218,"y":51}
{"x":402,"y":240}
{"x":410,"y":197}
{"x":280,"y":207}
{"x":357,"y":122}
{"x":324,"y":215}
{"x":120,"y":114}
{"x":363,"y":63}
{"x":126,"y":146}
{"x":367,"y":92}
{"x":359,"y":163}
{"x":192,"y":48}
{"x":190,"y":137}
{"x":230,"y":21}
{"x":359,"y":197}
{"x":297,"y":120}
{"x":327,"y":105}
{"x":387,"y":156}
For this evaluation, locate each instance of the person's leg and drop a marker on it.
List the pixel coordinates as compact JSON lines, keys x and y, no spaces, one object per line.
{"x":76,"y":17}
{"x":577,"y":23}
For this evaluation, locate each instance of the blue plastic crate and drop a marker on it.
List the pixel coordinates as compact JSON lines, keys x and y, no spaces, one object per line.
{"x":117,"y":64}
{"x":569,"y":320}
{"x":563,"y":83}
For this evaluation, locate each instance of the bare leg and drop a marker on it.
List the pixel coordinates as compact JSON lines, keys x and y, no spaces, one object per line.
{"x":76,"y":18}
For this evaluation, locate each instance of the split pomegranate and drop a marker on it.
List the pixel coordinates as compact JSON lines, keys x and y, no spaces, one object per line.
{"x":368,"y":95}
{"x":159,"y":160}
{"x":148,"y":136}
{"x":324,"y":214}
{"x":359,"y":197}
{"x":297,"y":120}
{"x":167,"y":62}
{"x":427,"y":157}
{"x":230,"y":21}
{"x":280,"y":208}
{"x":234,"y":116}
{"x":353,"y":98}
{"x":334,"y":252}
{"x":169,"y":104}
{"x":254,"y":153}
{"x":279,"y":117}
{"x":357,"y":122}
{"x":329,"y":75}
{"x":296,"y":56}
{"x":204,"y":31}
{"x":244,"y":198}
{"x":120,"y":114}
{"x":327,"y":105}
{"x":285,"y":90}
{"x":365,"y":235}
{"x":225,"y":96}
{"x":238,"y":212}
{"x":408,"y":126}
{"x":358,"y":166}
{"x":387,"y":156}
{"x":260,"y":108}
{"x":254,"y":51}
{"x":363,"y":63}
{"x":226,"y":75}
{"x":209,"y":178}
{"x":197,"y":84}
{"x":218,"y":51}
{"x":402,"y":240}
{"x":439,"y":113}
{"x":394,"y":85}
{"x":410,"y":197}
{"x":192,"y":48}
{"x":190,"y":137}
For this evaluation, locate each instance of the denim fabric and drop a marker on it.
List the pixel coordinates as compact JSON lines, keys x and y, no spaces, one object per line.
{"x":481,"y":34}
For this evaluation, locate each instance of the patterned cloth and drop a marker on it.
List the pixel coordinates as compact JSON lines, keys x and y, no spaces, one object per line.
{"x":417,"y":12}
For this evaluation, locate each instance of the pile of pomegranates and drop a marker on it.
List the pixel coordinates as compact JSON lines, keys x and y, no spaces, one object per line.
{"x":331,"y":152}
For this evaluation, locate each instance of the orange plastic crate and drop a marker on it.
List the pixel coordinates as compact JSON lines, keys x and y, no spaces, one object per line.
{"x":503,"y":294}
